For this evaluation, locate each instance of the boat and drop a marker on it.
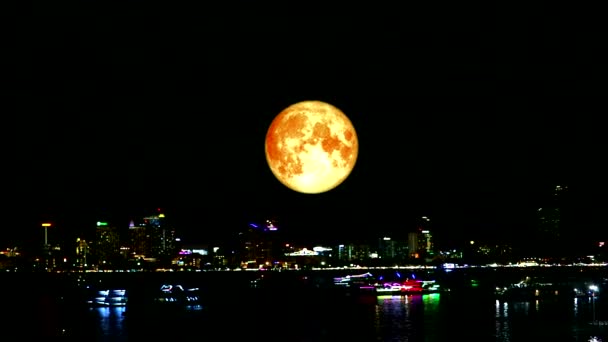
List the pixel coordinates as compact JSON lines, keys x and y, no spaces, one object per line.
{"x":177,"y":295}
{"x":537,"y":288}
{"x":105,"y":297}
{"x":164,"y":298}
{"x":357,"y":283}
{"x":409,"y":286}
{"x":367,"y":283}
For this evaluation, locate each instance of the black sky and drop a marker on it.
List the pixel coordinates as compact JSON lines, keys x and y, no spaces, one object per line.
{"x":467,"y":115}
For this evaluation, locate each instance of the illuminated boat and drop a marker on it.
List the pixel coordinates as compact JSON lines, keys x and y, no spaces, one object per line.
{"x":409,"y":286}
{"x":531,"y":290}
{"x":107,"y":297}
{"x":367,"y":283}
{"x":178,"y":295}
{"x":357,"y":283}
{"x":162,"y":299}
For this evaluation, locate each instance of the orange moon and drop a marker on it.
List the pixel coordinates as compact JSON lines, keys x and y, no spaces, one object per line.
{"x":311,"y":147}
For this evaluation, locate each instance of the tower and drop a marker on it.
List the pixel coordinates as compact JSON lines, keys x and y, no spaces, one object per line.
{"x":46,"y":247}
{"x":550,"y":230}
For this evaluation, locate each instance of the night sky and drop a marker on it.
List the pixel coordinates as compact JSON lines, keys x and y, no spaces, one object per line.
{"x":464,"y":115}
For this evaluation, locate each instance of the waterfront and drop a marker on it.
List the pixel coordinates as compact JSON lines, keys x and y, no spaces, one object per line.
{"x":289,"y":309}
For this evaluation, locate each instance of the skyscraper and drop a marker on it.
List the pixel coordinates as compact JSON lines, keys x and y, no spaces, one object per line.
{"x":259,"y":243}
{"x":162,"y":237}
{"x":107,"y":244}
{"x":420,"y":242}
{"x":82,"y":251}
{"x":139,"y":242}
{"x":550,"y":230}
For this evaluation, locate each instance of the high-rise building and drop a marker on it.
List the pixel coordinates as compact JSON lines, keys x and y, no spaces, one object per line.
{"x":420,"y":242}
{"x":107,"y":244}
{"x":351,"y":252}
{"x":82,"y":251}
{"x":392,"y":250}
{"x":139,"y":241}
{"x":162,"y":237}
{"x":550,"y":231}
{"x":259,"y":244}
{"x":152,"y":238}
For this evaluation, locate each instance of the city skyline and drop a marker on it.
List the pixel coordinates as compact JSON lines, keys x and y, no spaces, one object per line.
{"x":128,"y":113}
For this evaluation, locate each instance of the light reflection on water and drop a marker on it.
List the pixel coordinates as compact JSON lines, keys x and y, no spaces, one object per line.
{"x":406,"y":317}
{"x":429,"y":317}
{"x":502,"y":321}
{"x":394,"y":320}
{"x":110,"y":321}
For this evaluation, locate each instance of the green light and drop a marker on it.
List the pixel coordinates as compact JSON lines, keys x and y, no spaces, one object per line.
{"x":102,"y":224}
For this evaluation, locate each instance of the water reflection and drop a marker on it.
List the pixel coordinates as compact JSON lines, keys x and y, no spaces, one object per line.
{"x":110,"y":321}
{"x":405,"y":317}
{"x":429,"y":317}
{"x":503,"y":329}
{"x":557,"y":320}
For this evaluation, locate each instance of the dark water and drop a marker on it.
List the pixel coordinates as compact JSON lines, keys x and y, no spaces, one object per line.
{"x":284,"y":312}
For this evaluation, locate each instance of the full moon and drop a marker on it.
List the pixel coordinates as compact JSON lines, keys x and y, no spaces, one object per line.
{"x":311,"y":147}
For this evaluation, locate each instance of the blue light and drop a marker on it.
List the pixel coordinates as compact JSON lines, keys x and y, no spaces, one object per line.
{"x":253,"y":225}
{"x":398,"y":274}
{"x":380,"y":278}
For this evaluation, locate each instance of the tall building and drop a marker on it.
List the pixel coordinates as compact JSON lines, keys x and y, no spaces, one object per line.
{"x":420,"y":242}
{"x":392,"y":250}
{"x":550,"y":230}
{"x":107,"y":243}
{"x":350,"y":253}
{"x":82,"y":251}
{"x":152,"y":237}
{"x":259,"y":244}
{"x":139,"y":242}
{"x":49,"y":252}
{"x":162,"y":237}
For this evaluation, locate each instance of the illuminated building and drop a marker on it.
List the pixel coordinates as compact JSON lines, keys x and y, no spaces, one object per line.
{"x":107,"y":247}
{"x":162,"y":238}
{"x":259,"y":245}
{"x":420,"y":242}
{"x":192,"y":257}
{"x":140,"y":243}
{"x":550,"y":231}
{"x":51,"y":253}
{"x":392,"y":250}
{"x":315,"y":257}
{"x":152,"y":238}
{"x":11,"y":252}
{"x":46,"y":247}
{"x":347,"y":253}
{"x":82,"y":250}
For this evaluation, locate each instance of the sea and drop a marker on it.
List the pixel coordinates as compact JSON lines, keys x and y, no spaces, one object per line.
{"x":300,"y":306}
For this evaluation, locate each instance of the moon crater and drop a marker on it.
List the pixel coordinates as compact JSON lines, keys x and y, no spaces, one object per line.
{"x":311,"y":147}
